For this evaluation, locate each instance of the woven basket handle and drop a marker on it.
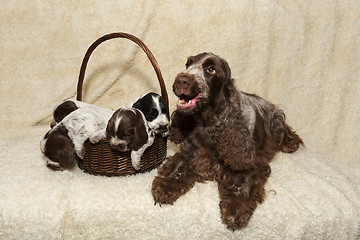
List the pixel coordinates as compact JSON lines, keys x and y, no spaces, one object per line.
{"x":135,"y":40}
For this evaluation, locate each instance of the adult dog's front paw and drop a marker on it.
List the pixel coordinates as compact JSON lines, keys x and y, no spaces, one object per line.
{"x":234,"y":214}
{"x":236,"y":221}
{"x":165,"y":192}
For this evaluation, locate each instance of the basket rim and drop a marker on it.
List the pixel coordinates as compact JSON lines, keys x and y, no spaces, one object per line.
{"x":116,"y":163}
{"x":134,"y":39}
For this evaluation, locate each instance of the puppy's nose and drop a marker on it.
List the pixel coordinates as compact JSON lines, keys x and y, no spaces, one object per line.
{"x":163,"y":128}
{"x":113,"y":146}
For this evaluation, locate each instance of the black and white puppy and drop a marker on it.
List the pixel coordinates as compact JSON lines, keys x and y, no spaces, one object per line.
{"x":153,"y":106}
{"x":127,"y":130}
{"x":74,"y":123}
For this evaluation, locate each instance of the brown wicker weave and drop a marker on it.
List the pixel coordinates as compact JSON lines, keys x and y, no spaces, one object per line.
{"x":100,"y":158}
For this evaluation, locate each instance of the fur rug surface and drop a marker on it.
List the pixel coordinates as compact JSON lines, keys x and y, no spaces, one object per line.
{"x":301,"y":55}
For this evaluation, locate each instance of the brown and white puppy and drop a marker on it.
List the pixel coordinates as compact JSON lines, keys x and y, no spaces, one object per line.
{"x":68,"y":135}
{"x":127,"y":130}
{"x":58,"y":148}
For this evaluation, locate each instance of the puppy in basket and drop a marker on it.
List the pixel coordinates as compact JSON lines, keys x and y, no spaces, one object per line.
{"x":153,"y":106}
{"x":127,"y":130}
{"x":76,"y":121}
{"x":135,"y":128}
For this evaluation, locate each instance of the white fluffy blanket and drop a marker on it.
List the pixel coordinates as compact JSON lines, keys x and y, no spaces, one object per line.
{"x":302,"y":55}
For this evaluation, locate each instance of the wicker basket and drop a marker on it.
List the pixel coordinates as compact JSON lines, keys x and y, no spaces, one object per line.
{"x":100,"y":158}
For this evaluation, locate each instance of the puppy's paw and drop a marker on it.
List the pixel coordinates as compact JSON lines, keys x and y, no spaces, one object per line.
{"x":136,"y":165}
{"x":135,"y":160}
{"x":96,"y":137}
{"x":55,"y":166}
{"x":80,"y":152}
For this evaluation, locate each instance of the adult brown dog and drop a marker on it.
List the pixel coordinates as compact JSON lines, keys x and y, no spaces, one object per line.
{"x":225,"y":135}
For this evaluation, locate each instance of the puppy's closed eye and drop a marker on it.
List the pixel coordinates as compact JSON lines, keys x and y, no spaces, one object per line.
{"x":129,"y":134}
{"x":153,"y":114}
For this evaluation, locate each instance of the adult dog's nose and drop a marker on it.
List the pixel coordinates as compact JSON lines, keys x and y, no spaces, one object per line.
{"x":182,"y":82}
{"x":183,"y":79}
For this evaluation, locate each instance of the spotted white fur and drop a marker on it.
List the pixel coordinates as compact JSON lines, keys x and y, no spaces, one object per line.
{"x":90,"y":122}
{"x":86,"y":122}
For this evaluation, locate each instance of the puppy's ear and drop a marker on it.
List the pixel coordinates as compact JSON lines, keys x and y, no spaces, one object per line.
{"x":59,"y":148}
{"x":138,"y":105}
{"x":140,"y":136}
{"x":63,"y":110}
{"x":111,"y":125}
{"x":67,"y":155}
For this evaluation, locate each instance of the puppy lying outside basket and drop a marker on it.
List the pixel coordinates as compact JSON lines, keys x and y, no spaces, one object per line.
{"x":98,"y":157}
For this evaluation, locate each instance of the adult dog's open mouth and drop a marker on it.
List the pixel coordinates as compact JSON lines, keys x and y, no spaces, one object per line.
{"x":187,"y":102}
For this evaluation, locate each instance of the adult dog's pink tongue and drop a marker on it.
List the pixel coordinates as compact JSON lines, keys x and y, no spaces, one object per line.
{"x":186,"y":104}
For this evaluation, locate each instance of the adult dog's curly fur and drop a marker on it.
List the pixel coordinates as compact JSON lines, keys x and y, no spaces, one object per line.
{"x":225,"y":135}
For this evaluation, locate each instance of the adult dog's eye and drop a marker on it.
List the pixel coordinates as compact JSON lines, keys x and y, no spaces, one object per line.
{"x":211,"y":70}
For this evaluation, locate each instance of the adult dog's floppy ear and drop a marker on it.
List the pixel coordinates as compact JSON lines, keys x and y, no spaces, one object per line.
{"x":226,"y":68}
{"x":225,"y":86}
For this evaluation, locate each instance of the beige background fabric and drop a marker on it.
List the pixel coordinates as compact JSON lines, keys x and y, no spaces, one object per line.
{"x":301,"y":55}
